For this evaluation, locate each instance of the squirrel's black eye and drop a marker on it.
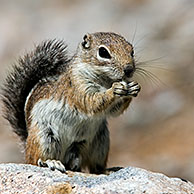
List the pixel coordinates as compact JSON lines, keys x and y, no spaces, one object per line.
{"x":104,"y":53}
{"x":132,"y":53}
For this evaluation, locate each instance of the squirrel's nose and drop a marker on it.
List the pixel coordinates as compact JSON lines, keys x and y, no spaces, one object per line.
{"x":129,"y":70}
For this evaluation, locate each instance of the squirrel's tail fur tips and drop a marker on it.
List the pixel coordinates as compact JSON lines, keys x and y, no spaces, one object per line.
{"x":47,"y":60}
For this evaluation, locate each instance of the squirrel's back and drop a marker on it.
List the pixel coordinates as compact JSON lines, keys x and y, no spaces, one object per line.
{"x":48,"y":59}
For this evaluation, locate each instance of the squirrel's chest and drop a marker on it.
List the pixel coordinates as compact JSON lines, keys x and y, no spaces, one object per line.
{"x":66,"y":124}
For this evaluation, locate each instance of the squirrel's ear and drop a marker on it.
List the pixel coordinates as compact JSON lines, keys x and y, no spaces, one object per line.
{"x":87,"y":41}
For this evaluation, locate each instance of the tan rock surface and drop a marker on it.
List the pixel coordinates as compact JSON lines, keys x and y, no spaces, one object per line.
{"x":20,"y":178}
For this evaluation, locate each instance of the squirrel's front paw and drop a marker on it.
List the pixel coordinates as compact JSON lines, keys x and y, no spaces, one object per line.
{"x":52,"y":164}
{"x":133,"y":88}
{"x":126,"y":89}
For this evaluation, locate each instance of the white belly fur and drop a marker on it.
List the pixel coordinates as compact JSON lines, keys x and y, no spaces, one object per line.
{"x":68,"y":125}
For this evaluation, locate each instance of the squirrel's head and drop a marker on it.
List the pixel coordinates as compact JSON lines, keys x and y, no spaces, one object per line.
{"x":107,"y":53}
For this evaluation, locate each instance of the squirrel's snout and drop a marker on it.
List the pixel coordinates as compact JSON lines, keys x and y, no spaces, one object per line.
{"x":129,"y":70}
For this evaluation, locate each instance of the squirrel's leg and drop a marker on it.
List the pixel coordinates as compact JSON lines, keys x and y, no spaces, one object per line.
{"x":124,"y":93}
{"x":43,"y":149}
{"x":33,"y":147}
{"x":98,"y":150}
{"x":97,"y":102}
{"x":119,"y":107}
{"x":73,"y":157}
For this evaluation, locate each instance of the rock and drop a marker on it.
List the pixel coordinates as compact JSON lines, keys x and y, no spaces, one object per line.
{"x":22,"y":178}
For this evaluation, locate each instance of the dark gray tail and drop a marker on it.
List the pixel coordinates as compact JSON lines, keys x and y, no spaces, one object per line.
{"x":47,"y":60}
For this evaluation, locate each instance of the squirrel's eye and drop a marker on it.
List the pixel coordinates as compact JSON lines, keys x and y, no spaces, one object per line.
{"x":104,"y":53}
{"x":132,"y":53}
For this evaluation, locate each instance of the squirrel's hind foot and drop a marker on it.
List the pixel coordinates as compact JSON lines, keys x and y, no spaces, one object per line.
{"x":109,"y":171}
{"x":52,"y":164}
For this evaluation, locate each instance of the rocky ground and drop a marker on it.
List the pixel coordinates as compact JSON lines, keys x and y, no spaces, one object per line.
{"x":157,"y":132}
{"x":31,"y":179}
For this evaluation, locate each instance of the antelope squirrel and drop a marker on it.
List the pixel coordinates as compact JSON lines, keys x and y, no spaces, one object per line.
{"x":59,"y":105}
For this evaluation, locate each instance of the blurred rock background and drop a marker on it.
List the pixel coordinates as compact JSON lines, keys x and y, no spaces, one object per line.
{"x":157,"y":132}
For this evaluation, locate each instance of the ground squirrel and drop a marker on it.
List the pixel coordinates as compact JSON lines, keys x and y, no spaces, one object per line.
{"x":59,"y":106}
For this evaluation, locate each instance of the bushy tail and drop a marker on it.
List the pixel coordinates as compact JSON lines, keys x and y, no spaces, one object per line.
{"x":47,"y":60}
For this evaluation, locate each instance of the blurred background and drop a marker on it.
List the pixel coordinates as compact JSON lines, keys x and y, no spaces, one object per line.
{"x":157,"y":131}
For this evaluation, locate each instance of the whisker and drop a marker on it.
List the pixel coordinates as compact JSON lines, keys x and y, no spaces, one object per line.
{"x":142,"y":75}
{"x":138,"y":41}
{"x":145,"y":76}
{"x":139,"y":50}
{"x":155,"y":66}
{"x":153,"y":60}
{"x":154,"y":78}
{"x":150,"y":75}
{"x":134,"y":34}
